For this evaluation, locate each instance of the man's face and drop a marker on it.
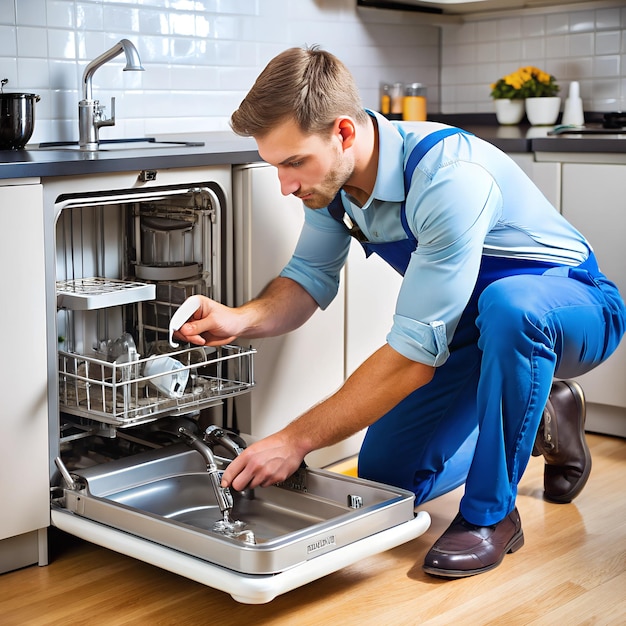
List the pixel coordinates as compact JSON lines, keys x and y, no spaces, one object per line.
{"x":311,"y":167}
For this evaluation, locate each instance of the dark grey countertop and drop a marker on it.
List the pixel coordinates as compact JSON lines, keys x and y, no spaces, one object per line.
{"x":220,"y":148}
{"x":614,"y":144}
{"x":526,"y":138}
{"x":226,"y":148}
{"x":536,"y":139}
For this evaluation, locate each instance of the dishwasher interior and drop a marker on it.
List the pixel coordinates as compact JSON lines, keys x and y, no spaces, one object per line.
{"x":131,"y":470}
{"x":123,"y":266}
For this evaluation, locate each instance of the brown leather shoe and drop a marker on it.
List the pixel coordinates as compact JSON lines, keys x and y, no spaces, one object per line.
{"x":561,"y":440}
{"x":465,"y":549}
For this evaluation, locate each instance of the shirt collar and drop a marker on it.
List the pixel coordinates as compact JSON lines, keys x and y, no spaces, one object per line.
{"x":389,"y":185}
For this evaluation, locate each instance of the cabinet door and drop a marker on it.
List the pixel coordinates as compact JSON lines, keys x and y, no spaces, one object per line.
{"x":295,"y":371}
{"x":594,"y":201}
{"x":372,"y":288}
{"x":24,"y":381}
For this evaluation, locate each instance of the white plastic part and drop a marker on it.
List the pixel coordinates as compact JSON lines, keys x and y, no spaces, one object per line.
{"x":182,"y":314}
{"x":173,"y":375}
{"x":573,"y":112}
{"x":244,"y":588}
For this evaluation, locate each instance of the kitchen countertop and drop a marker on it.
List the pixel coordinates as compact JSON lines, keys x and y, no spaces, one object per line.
{"x":227,"y":148}
{"x":220,"y":148}
{"x":526,"y":138}
{"x":536,"y":139}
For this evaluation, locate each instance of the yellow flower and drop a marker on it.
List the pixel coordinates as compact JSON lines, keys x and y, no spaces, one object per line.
{"x":525,"y":82}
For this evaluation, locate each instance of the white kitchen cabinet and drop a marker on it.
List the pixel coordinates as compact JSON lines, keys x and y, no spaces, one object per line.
{"x":24,"y":380}
{"x":295,"y":371}
{"x":594,"y":201}
{"x":372,"y":287}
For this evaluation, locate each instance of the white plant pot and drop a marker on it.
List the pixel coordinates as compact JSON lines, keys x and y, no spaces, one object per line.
{"x":509,"y":111}
{"x":543,"y":111}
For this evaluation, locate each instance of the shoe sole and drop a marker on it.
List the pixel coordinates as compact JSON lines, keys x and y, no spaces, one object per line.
{"x":566,"y":498}
{"x":517,"y":541}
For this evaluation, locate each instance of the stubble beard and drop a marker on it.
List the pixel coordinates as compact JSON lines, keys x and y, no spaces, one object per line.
{"x":330,"y":186}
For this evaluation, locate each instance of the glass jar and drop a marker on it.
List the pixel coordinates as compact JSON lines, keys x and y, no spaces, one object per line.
{"x":385,"y":98}
{"x":414,"y":102}
{"x":397,"y":97}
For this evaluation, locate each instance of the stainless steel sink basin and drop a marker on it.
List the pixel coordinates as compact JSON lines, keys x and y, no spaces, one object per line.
{"x":165,"y":496}
{"x":109,"y":145}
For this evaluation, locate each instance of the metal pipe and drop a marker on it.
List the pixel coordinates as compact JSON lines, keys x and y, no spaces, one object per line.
{"x":133,"y":64}
{"x":90,"y":114}
{"x":222,"y":495}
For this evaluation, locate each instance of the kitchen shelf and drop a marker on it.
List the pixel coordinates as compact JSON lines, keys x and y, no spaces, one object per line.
{"x":123,"y":395}
{"x":86,"y":294}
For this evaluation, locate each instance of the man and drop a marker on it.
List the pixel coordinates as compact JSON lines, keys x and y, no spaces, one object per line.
{"x":499,"y":296}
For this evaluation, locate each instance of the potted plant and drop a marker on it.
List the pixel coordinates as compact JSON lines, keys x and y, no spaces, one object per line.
{"x":540,"y":91}
{"x":508,"y":98}
{"x":527,"y":88}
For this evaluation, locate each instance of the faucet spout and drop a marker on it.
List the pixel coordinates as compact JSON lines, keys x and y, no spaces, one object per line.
{"x":133,"y":63}
{"x":222,"y":495}
{"x":219,"y":436}
{"x":90,"y":114}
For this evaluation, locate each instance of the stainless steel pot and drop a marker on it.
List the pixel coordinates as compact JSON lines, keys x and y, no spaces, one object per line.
{"x":17,"y":119}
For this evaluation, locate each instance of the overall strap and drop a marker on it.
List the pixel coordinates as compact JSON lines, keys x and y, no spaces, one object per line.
{"x":417,"y":154}
{"x":336,"y":209}
{"x":423,"y":146}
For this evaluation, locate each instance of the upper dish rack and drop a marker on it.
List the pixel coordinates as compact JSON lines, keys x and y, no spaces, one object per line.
{"x":86,"y":294}
{"x":123,"y":394}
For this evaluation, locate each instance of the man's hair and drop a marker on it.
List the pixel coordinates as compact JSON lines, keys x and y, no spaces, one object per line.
{"x":308,"y":85}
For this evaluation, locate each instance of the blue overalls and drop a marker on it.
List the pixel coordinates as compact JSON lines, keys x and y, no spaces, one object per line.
{"x":475,"y":422}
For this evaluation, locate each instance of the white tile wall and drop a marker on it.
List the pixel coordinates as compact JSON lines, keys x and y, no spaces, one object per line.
{"x":200,"y":56}
{"x":585,"y":45}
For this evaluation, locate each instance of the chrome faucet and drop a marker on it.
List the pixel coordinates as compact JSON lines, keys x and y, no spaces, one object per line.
{"x":218,"y":436}
{"x":222,"y":495}
{"x":90,"y":113}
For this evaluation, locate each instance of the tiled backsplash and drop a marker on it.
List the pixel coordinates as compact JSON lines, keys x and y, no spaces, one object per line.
{"x":201,"y":56}
{"x":588,"y":46}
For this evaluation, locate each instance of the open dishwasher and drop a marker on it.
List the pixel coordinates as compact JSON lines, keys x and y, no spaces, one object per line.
{"x":133,"y":467}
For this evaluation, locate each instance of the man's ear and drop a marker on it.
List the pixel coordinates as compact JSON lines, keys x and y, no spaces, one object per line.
{"x":346,"y":130}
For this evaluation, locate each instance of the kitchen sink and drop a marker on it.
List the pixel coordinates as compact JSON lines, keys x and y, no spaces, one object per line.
{"x":165,"y":496}
{"x":109,"y":145}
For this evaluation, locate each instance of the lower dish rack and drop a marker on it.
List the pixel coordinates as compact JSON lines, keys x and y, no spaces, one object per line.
{"x":124,"y":394}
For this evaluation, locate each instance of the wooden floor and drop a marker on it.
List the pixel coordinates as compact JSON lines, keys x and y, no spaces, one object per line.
{"x":571,"y":571}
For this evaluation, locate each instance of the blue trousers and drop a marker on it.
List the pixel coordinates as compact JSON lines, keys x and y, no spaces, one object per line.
{"x":476,"y":421}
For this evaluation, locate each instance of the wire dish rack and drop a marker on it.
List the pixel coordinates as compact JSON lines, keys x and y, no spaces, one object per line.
{"x":123,"y":394}
{"x":85,"y":294}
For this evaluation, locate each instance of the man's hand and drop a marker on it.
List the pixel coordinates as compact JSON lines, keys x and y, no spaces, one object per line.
{"x":356,"y":405}
{"x":282,"y":307}
{"x":264,"y":463}
{"x":213,"y":324}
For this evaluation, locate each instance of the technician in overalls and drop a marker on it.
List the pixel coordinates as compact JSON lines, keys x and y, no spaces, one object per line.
{"x":500,"y":296}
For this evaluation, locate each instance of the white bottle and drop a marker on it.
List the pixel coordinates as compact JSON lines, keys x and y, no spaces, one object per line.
{"x":573,"y":113}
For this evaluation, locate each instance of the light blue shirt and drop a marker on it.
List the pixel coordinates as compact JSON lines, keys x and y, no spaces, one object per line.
{"x":466,"y":199}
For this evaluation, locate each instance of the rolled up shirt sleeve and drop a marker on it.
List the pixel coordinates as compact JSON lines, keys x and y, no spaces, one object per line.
{"x":320,"y":254}
{"x":450,"y":211}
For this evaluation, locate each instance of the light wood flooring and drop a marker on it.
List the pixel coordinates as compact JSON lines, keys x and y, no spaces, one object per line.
{"x":571,"y":571}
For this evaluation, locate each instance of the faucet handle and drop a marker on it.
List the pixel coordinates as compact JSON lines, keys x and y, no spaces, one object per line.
{"x":225,"y":438}
{"x":99,"y":116}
